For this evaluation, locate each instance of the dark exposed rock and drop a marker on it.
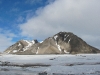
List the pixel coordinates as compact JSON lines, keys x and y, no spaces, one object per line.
{"x":60,"y":43}
{"x":43,"y":73}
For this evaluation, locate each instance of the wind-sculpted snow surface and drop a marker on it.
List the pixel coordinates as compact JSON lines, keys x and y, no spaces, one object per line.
{"x":60,"y":43}
{"x":80,"y":64}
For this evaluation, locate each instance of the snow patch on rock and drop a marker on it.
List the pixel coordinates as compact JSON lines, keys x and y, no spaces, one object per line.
{"x":14,"y":51}
{"x":65,"y":37}
{"x":66,"y":52}
{"x":33,"y":42}
{"x":69,"y":40}
{"x":38,"y":47}
{"x":55,"y":37}
{"x":59,"y":48}
{"x":9,"y":51}
{"x":19,"y":44}
{"x":29,"y":45}
{"x":37,"y":52}
{"x":41,"y":41}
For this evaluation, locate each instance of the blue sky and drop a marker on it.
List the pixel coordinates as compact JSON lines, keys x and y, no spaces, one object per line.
{"x":40,"y":19}
{"x":14,"y":12}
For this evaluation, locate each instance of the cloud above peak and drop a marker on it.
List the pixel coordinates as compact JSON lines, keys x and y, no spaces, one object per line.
{"x":78,"y":16}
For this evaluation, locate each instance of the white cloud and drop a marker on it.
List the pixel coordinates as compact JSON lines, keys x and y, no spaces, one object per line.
{"x":82,"y":17}
{"x":5,"y":39}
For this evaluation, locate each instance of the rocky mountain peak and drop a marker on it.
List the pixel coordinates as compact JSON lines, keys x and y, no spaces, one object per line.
{"x":64,"y":36}
{"x":20,"y":46}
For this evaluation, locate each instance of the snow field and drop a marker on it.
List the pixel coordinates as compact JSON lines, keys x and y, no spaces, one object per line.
{"x":88,"y":64}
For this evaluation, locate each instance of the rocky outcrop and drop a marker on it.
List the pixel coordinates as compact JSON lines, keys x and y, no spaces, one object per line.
{"x":60,"y":43}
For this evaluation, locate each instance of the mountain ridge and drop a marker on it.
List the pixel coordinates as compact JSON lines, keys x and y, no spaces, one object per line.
{"x":60,"y":43}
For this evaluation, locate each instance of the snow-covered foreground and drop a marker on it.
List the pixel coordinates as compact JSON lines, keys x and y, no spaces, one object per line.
{"x":80,"y":64}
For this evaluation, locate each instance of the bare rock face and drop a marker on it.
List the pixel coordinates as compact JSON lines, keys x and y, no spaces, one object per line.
{"x":60,"y":43}
{"x":76,"y":44}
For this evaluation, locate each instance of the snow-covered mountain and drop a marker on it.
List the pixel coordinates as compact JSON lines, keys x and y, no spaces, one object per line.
{"x":60,"y":43}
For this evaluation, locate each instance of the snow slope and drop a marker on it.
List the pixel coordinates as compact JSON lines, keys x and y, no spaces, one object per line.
{"x":80,"y":64}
